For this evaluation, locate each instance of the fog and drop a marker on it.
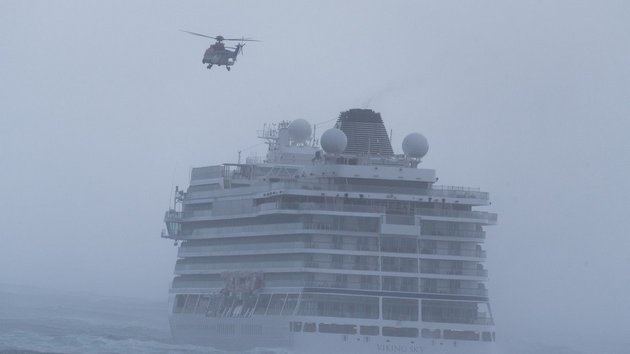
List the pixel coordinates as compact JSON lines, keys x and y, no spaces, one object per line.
{"x":105,"y":107}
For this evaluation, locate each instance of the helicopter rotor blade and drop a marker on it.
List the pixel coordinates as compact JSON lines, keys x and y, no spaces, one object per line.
{"x":242,"y":39}
{"x":198,"y":34}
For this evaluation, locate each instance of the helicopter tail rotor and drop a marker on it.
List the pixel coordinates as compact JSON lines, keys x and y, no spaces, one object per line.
{"x":238,"y":49}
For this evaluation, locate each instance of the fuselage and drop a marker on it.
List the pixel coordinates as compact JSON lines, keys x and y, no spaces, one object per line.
{"x":218,"y":55}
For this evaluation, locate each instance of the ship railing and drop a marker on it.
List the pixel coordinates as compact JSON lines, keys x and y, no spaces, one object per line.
{"x":345,"y":266}
{"x":492,"y":217}
{"x":488,"y":321}
{"x":455,"y":271}
{"x":197,"y":213}
{"x":402,"y":250}
{"x":226,"y":230}
{"x":455,"y":188}
{"x":231,"y":265}
{"x":331,"y":207}
{"x":458,"y":319}
{"x":341,"y":285}
{"x":399,"y":268}
{"x":340,"y":246}
{"x":328,"y":227}
{"x":392,"y":218}
{"x":403,"y":219}
{"x":400,"y":219}
{"x":190,"y":250}
{"x":173,"y":216}
{"x":434,"y":191}
{"x":453,"y":233}
{"x":454,"y":252}
{"x":273,"y":229}
{"x":456,"y":291}
{"x":181,"y":266}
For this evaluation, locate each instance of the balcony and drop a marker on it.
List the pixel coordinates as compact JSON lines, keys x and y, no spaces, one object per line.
{"x":306,"y":206}
{"x":454,"y":233}
{"x":454,"y":252}
{"x":295,"y":265}
{"x":456,"y":271}
{"x":409,"y":220}
{"x":173,"y":221}
{"x":341,"y":285}
{"x":402,"y":268}
{"x":346,"y":266}
{"x":456,"y":291}
{"x":191,"y":251}
{"x":173,"y":216}
{"x":204,"y":268}
{"x":480,"y":320}
{"x":328,"y":227}
{"x":341,"y":246}
{"x":435,"y":191}
{"x":490,"y":218}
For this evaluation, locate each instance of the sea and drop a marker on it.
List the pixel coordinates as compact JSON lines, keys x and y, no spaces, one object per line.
{"x":34,"y":321}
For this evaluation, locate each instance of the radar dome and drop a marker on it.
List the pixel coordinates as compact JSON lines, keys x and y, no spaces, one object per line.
{"x":299,"y":130}
{"x":415,"y":145}
{"x":334,"y":141}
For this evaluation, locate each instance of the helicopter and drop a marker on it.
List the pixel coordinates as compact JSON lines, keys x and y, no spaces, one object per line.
{"x":219,"y":54}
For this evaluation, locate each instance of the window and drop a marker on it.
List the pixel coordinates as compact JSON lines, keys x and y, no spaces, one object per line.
{"x":276,"y":304}
{"x":400,"y":332}
{"x":430,"y":333}
{"x":461,"y":335}
{"x":452,"y":312}
{"x":202,"y":306}
{"x":337,"y":328}
{"x":191,"y":303}
{"x":180,"y":300}
{"x":263,"y":302}
{"x":369,"y":330}
{"x":295,"y":326}
{"x":400,"y":309}
{"x":339,"y":306}
{"x":486,"y":336}
{"x":290,"y":304}
{"x":310,"y":327}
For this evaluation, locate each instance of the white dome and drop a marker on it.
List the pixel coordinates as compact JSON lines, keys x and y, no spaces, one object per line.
{"x":299,"y":130}
{"x":415,"y":145}
{"x":334,"y":141}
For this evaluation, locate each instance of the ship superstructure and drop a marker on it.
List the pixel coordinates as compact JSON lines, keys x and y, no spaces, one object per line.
{"x":347,"y":248}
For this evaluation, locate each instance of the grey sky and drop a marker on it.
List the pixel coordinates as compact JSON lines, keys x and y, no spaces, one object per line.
{"x":103,"y":105}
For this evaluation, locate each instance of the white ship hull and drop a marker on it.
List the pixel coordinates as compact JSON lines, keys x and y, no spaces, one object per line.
{"x":272,"y":333}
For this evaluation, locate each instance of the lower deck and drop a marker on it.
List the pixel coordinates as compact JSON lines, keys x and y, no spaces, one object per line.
{"x":302,"y":334}
{"x":410,"y":308}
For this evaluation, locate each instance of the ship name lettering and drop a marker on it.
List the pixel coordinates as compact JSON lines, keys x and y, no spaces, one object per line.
{"x":398,"y":348}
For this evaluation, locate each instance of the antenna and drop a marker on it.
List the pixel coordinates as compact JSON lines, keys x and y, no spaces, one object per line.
{"x":248,"y":148}
{"x":175,"y":197}
{"x":172,"y":195}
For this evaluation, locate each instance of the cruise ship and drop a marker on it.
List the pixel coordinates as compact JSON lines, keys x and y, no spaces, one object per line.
{"x":333,"y":244}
